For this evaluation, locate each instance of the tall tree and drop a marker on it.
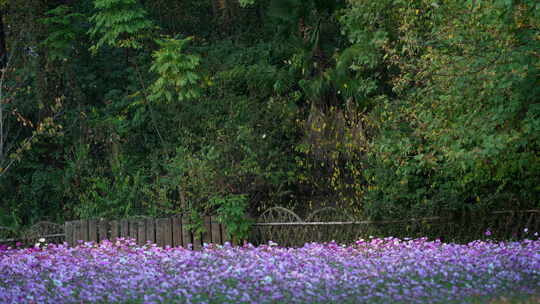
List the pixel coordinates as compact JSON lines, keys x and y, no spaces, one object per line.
{"x":3,"y":49}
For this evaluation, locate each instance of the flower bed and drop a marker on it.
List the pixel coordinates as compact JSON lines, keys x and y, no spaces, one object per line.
{"x":374,"y":271}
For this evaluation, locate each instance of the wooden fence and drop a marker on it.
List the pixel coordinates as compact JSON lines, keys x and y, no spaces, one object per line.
{"x":173,"y":231}
{"x":288,"y":229}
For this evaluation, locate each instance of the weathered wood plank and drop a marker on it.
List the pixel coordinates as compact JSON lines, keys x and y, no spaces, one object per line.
{"x":167,"y":232}
{"x":151,"y":230}
{"x":84,"y":230}
{"x":124,"y":228}
{"x":133,"y":227}
{"x":68,"y":230}
{"x":103,"y":230}
{"x":186,"y":233}
{"x":216,"y":231}
{"x":92,"y":230}
{"x":160,"y":232}
{"x":177,"y":231}
{"x":76,"y":232}
{"x":141,"y":232}
{"x":115,"y":230}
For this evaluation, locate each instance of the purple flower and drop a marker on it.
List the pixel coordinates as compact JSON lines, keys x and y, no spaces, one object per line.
{"x":378,"y":270}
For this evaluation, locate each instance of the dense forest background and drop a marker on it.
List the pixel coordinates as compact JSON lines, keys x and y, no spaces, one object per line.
{"x":387,"y":108}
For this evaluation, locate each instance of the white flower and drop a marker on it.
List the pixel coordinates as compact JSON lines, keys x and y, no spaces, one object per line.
{"x":42,"y":240}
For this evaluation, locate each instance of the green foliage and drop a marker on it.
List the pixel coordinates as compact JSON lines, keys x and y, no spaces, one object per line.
{"x":331,"y":156}
{"x":178,"y":78}
{"x":246,"y":2}
{"x":231,"y":211}
{"x":64,"y":28}
{"x":120,"y":23}
{"x":105,"y":197}
{"x":387,"y":108}
{"x":452,"y":125}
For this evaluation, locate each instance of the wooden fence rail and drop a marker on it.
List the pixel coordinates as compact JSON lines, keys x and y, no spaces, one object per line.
{"x":46,"y":236}
{"x":173,"y":231}
{"x":502,"y":225}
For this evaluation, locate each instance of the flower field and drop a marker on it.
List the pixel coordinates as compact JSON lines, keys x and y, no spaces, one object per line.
{"x":374,"y":271}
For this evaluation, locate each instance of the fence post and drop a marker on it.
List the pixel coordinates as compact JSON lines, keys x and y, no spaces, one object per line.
{"x":141,"y":232}
{"x":124,"y":228}
{"x":168,"y":232}
{"x":76,"y":232}
{"x":115,"y":232}
{"x":215,"y":230}
{"x":163,"y":232}
{"x":68,"y":230}
{"x":151,"y":230}
{"x":84,"y":230}
{"x":103,"y":230}
{"x":92,"y":230}
{"x":186,"y":234}
{"x":159,"y":233}
{"x":177,"y":231}
{"x":133,"y":227}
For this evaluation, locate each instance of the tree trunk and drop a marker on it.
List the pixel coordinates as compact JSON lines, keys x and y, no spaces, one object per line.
{"x":215,"y":9}
{"x":3,"y":49}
